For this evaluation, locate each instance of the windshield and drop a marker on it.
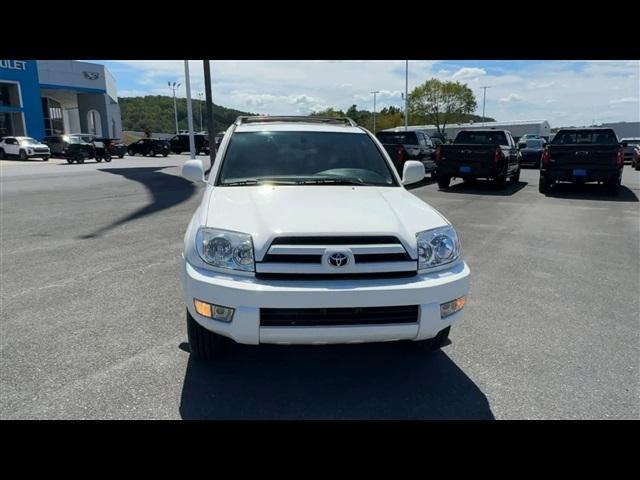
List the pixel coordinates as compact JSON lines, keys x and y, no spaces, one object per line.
{"x":397,"y":138}
{"x":304,"y":158}
{"x":74,"y":140}
{"x":482,"y":138}
{"x":28,"y":141}
{"x":533,"y":143}
{"x":577,"y":137}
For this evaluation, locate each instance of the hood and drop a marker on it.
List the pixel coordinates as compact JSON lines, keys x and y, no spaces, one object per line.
{"x":267,"y":212}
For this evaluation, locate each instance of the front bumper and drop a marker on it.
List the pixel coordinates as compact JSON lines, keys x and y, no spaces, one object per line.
{"x":247,"y":295}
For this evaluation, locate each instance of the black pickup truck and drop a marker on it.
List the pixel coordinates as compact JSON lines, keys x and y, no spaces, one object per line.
{"x":489,"y":153}
{"x":582,"y":155}
{"x":404,"y":145}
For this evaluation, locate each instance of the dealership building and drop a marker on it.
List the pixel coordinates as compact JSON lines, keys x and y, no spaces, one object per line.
{"x":50,"y":97}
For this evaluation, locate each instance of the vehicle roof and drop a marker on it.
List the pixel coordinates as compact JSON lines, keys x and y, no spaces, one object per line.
{"x":297,"y":127}
{"x":484,"y":130}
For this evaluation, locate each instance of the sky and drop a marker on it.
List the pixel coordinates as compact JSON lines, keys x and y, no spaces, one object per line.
{"x":563,"y":92}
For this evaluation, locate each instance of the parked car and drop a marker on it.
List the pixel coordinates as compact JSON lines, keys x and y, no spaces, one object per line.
{"x":149,"y":146}
{"x":490,"y":154}
{"x":403,"y":146}
{"x":180,"y":143}
{"x":531,"y":152}
{"x":635,"y":161}
{"x":528,"y":136}
{"x":77,"y":149}
{"x":113,"y":145}
{"x":336,"y":251}
{"x":632,"y":145}
{"x":581,"y":155}
{"x":23,"y":148}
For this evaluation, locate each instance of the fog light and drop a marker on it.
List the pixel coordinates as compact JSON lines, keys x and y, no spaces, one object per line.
{"x":449,"y":308}
{"x":217,"y":312}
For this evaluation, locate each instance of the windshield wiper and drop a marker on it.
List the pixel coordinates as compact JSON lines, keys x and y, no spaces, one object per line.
{"x":256,"y":181}
{"x":333,"y":181}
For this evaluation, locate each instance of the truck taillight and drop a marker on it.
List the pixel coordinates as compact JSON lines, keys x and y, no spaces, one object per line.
{"x":497,"y":156}
{"x":546,"y":157}
{"x":438,"y":154}
{"x":620,"y":158}
{"x":401,"y":155}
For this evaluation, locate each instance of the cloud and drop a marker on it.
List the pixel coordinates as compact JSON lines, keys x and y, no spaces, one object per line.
{"x":512,"y":97}
{"x":468,"y":73}
{"x":624,"y":100}
{"x":562,"y":92}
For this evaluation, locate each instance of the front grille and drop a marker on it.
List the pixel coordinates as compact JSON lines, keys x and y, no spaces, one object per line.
{"x":306,"y":257}
{"x":334,"y":276}
{"x":317,"y":317}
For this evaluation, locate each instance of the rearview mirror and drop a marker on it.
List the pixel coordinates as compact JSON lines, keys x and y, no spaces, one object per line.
{"x":412,"y":172}
{"x":193,"y":170}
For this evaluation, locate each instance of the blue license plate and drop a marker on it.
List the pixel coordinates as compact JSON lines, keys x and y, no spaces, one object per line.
{"x":579,"y":173}
{"x":465,"y":169}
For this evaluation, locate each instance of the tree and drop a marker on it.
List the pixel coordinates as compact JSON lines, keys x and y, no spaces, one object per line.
{"x":441,"y":102}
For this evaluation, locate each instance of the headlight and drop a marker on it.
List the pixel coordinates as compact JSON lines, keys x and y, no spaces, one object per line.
{"x":437,"y":247}
{"x":225,"y":249}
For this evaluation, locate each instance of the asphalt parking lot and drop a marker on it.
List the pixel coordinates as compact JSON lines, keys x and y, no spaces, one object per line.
{"x":92,"y":321}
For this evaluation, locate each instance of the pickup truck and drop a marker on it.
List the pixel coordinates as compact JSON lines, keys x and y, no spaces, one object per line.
{"x":306,"y":234}
{"x":489,"y":153}
{"x":582,"y":155}
{"x":403,"y":146}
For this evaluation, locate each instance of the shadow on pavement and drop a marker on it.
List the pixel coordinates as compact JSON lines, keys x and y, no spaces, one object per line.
{"x":486,"y":187}
{"x":368,"y":381}
{"x":166,"y":191}
{"x":591,"y":191}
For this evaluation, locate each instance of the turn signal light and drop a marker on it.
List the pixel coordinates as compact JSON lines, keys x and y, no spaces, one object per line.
{"x":216,"y":312}
{"x":454,"y":306}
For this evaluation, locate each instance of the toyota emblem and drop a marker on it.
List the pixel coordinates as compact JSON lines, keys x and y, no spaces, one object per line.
{"x":338,"y":259}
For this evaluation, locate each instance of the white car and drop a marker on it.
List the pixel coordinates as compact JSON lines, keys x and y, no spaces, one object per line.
{"x":23,"y":148}
{"x":306,"y":235}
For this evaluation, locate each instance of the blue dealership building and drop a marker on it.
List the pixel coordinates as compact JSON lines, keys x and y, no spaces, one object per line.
{"x":52,"y":97}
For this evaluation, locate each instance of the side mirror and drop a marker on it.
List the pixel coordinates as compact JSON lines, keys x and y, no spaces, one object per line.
{"x":193,"y":170}
{"x":412,"y":172}
{"x":625,"y":144}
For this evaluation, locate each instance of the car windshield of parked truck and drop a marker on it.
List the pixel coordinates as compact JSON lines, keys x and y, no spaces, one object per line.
{"x":578,"y":137}
{"x":304,"y":158}
{"x":534,"y":143}
{"x":482,"y":138}
{"x":397,"y":138}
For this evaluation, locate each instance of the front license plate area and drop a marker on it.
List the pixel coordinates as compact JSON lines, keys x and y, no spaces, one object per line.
{"x":579,"y":173}
{"x":465,"y":169}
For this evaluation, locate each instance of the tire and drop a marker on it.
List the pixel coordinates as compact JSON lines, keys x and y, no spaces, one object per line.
{"x":544,"y":186}
{"x":152,"y":153}
{"x":637,"y":165}
{"x":46,"y":159}
{"x":499,"y":182}
{"x":443,"y":182}
{"x":2,"y":154}
{"x":177,"y":152}
{"x":107,"y":158}
{"x":165,"y":154}
{"x":515,"y":178}
{"x":69,"y":160}
{"x":131,"y":153}
{"x":120,"y":156}
{"x":431,"y":344}
{"x":23,"y":156}
{"x":204,"y":344}
{"x":98,"y":159}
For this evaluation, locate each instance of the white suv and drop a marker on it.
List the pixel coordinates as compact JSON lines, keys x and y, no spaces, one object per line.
{"x":23,"y":148}
{"x":306,"y":235}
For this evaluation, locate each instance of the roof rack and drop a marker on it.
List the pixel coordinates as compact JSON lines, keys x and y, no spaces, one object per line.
{"x":242,"y":120}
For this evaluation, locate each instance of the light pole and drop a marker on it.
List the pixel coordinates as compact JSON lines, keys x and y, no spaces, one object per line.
{"x":374,"y":110}
{"x":200,"y":95}
{"x":174,"y":86}
{"x":406,"y":94}
{"x":192,"y":144}
{"x":484,"y":99}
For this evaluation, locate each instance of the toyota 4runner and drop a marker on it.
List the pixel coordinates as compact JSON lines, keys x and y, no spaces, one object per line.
{"x":306,"y":235}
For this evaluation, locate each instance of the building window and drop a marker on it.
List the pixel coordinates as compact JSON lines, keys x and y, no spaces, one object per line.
{"x":93,"y":122}
{"x":9,"y":95}
{"x":53,"y":122}
{"x":11,"y":124}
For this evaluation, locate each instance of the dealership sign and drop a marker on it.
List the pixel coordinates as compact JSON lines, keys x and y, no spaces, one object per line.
{"x":13,"y":64}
